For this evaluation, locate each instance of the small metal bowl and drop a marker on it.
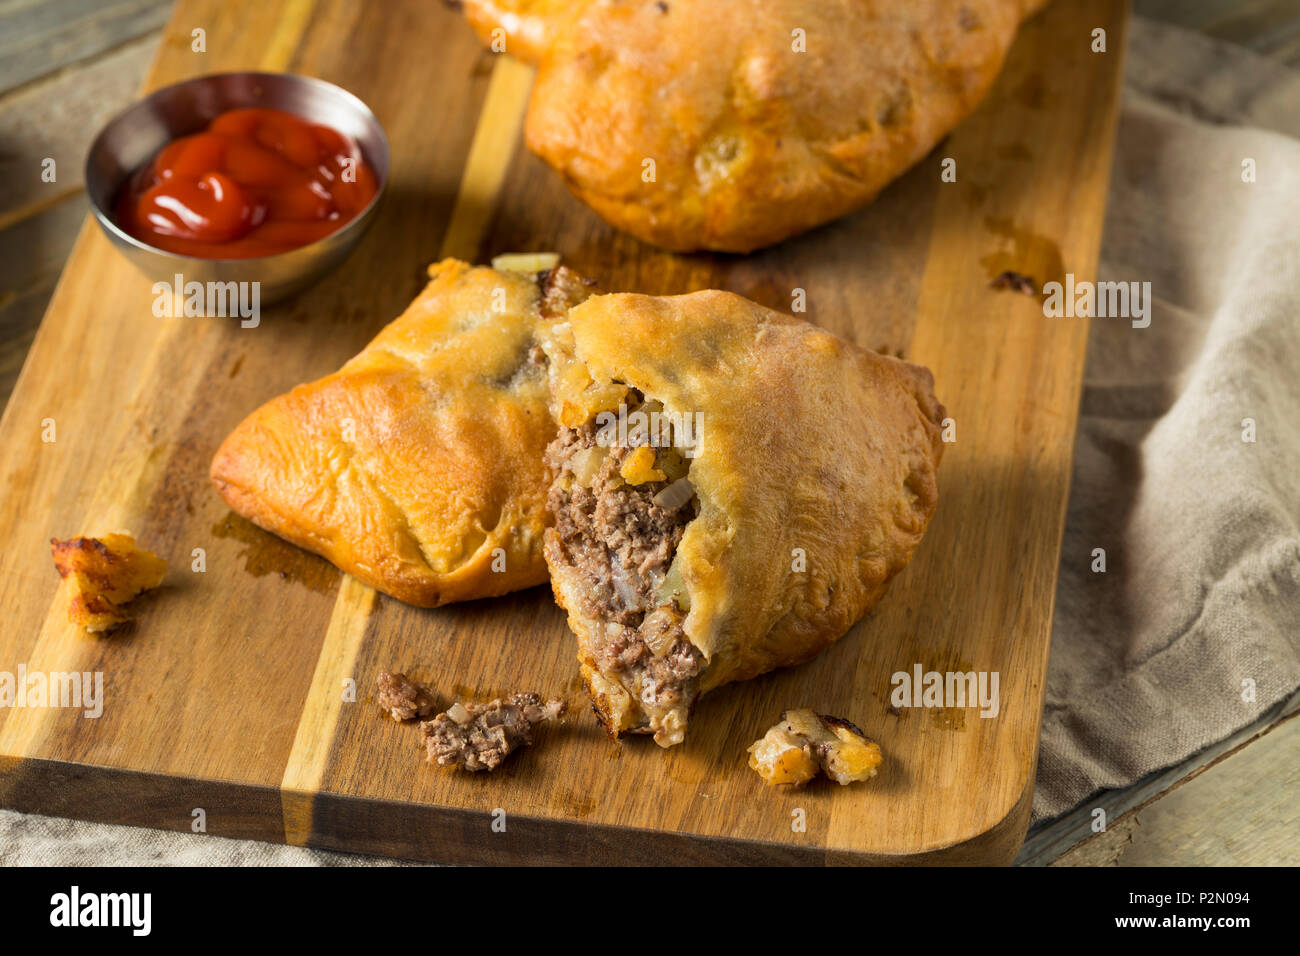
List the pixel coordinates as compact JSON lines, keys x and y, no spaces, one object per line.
{"x":136,"y":135}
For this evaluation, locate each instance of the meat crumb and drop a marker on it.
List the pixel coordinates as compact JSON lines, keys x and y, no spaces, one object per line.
{"x":478,"y":737}
{"x":403,"y":698}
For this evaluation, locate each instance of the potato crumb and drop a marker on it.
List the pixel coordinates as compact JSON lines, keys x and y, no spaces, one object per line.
{"x":103,"y":575}
{"x":804,"y":742}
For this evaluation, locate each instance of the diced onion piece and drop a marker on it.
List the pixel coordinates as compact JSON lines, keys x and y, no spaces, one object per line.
{"x":625,"y":589}
{"x":658,"y":630}
{"x":673,"y":589}
{"x":526,"y":261}
{"x":675,"y":495}
{"x":586,"y":462}
{"x":459,"y":713}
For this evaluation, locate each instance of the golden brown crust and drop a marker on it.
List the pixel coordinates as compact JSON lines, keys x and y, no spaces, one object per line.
{"x":762,"y":119}
{"x":816,"y":474}
{"x":526,"y":26}
{"x":103,"y":575}
{"x":417,"y":467}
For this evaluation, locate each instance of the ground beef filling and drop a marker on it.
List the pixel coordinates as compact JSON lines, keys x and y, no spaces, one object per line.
{"x":621,"y":544}
{"x":403,"y":698}
{"x":480,"y":736}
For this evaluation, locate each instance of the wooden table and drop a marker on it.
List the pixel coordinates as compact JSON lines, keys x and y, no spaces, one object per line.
{"x":67,"y":65}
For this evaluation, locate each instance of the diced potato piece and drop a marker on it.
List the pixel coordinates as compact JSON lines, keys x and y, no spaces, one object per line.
{"x":639,"y":467}
{"x":586,"y":463}
{"x":672,"y":463}
{"x":591,"y":399}
{"x":782,"y":759}
{"x":792,"y":752}
{"x":852,"y":758}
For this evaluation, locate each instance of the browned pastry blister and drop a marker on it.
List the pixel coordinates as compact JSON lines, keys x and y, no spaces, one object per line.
{"x":733,"y":124}
{"x":417,"y":467}
{"x":789,"y":477}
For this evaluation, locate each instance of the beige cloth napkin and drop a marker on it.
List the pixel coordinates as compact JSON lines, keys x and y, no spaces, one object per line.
{"x":1202,"y":587}
{"x":1199,"y":604}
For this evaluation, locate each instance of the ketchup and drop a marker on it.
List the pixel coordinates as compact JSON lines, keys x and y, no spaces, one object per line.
{"x":254,"y":183}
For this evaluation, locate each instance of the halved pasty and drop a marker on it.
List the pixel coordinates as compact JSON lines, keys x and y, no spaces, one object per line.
{"x":417,"y":467}
{"x":734,"y":124}
{"x":733,"y":489}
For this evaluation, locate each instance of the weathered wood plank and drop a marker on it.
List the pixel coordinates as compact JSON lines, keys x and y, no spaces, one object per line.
{"x":32,"y":254}
{"x":1239,"y":810}
{"x":1058,"y":838}
{"x":43,"y":36}
{"x":56,"y":119}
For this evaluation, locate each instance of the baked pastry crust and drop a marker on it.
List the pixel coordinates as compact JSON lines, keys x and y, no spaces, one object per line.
{"x":815,"y":478}
{"x":103,"y":575}
{"x":756,"y":132}
{"x":529,"y":25}
{"x":420,"y":458}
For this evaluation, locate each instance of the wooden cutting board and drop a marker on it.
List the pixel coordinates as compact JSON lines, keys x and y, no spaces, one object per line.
{"x":228,"y":696}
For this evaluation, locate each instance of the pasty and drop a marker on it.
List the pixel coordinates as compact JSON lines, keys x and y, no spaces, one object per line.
{"x":734,"y":124}
{"x":417,"y":467}
{"x":733,"y":489}
{"x":522,"y":28}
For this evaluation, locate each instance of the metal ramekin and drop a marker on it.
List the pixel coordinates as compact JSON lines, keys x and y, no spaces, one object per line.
{"x":134,"y":136}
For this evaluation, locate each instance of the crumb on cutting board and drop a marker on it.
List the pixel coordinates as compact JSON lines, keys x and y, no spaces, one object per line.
{"x":804,"y":743}
{"x":480,"y":736}
{"x":402,"y":697}
{"x":103,"y":576}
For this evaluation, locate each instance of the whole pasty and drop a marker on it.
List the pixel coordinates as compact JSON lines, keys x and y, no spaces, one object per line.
{"x":417,"y":467}
{"x":733,"y":124}
{"x":734,"y":489}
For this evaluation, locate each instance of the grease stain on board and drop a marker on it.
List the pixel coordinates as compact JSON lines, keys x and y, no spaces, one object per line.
{"x":943,"y":718}
{"x":263,"y":553}
{"x":1030,"y":254}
